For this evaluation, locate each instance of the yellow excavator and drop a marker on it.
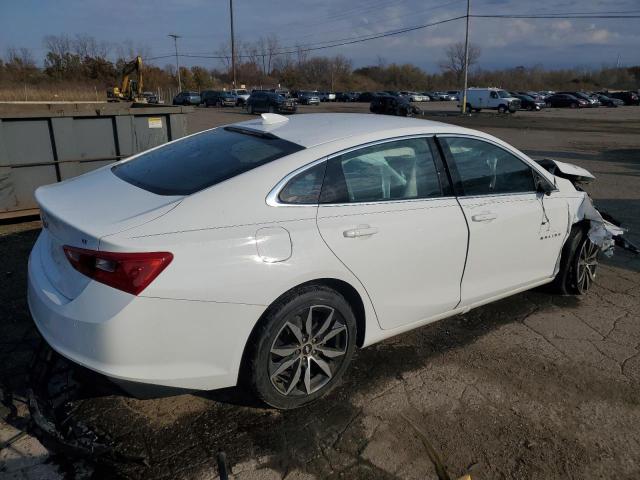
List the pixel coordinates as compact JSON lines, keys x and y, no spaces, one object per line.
{"x":130,"y":89}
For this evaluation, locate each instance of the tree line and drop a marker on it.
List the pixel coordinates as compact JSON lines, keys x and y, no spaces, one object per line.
{"x":84,"y":61}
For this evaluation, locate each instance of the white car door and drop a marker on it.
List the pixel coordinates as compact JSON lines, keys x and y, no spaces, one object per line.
{"x":386,"y":212}
{"x":515,"y":233}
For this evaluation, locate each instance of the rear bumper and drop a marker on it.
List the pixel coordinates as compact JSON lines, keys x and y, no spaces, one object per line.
{"x":174,"y":343}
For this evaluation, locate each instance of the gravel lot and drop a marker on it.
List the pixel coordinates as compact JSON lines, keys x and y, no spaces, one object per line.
{"x":534,"y":386}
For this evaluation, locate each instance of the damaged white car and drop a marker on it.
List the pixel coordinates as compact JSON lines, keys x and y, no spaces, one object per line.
{"x":267,"y":251}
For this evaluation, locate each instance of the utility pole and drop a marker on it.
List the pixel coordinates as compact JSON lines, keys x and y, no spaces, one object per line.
{"x":466,"y":61}
{"x":233,"y":46}
{"x":175,"y":43}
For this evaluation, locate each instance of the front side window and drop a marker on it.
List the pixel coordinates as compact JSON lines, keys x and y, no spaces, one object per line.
{"x":486,"y":169}
{"x":202,"y":160}
{"x":397,"y":170}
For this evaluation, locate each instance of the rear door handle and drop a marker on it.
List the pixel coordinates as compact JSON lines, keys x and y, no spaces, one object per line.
{"x":360,"y":231}
{"x":484,"y":217}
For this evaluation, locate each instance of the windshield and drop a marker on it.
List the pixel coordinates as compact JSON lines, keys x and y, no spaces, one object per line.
{"x":241,"y":92}
{"x":504,"y":94}
{"x":202,"y":160}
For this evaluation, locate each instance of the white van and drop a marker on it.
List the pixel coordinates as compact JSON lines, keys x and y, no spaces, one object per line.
{"x":493,"y":99}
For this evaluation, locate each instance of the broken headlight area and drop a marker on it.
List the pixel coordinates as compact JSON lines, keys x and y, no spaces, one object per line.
{"x":604,"y":230}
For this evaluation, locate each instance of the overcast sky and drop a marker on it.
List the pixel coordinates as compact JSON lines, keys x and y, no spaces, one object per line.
{"x":204,"y":25}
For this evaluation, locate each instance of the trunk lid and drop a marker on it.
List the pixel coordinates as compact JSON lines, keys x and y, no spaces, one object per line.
{"x":80,"y":211}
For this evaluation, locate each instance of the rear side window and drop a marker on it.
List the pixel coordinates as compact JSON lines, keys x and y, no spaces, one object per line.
{"x":304,"y":188}
{"x":398,"y":170}
{"x":203,"y":160}
{"x":486,"y":169}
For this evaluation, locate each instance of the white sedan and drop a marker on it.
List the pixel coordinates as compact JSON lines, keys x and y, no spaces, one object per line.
{"x":267,"y":251}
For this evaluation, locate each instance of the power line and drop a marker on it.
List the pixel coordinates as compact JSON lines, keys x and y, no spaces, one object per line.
{"x":559,"y":16}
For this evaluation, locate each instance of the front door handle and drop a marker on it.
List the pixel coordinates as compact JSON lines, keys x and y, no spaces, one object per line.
{"x":484,"y":217}
{"x":360,"y":231}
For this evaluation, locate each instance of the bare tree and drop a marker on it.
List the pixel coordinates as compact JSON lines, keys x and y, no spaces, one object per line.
{"x":273,"y":45}
{"x":59,"y":45}
{"x":224,"y":52}
{"x":87,"y":46}
{"x":454,"y":60}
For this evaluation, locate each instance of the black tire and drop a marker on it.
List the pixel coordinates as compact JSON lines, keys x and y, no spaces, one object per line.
{"x":529,"y":108}
{"x":573,"y":105}
{"x":570,"y":279}
{"x":548,"y":105}
{"x":293,"y":308}
{"x":250,"y":109}
{"x":469,"y":108}
{"x":502,"y":109}
{"x":271,"y":109}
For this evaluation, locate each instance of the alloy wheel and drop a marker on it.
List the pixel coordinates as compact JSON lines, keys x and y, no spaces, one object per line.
{"x":308,"y":351}
{"x":587,"y":266}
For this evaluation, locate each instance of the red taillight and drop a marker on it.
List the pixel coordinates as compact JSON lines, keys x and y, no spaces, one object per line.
{"x":129,"y":272}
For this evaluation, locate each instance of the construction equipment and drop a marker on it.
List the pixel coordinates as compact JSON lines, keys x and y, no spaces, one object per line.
{"x":130,"y":89}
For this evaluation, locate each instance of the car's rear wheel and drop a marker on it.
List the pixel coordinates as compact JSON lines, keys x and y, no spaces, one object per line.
{"x":578,"y":264}
{"x":250,"y":109}
{"x":502,"y":109}
{"x":302,"y":348}
{"x":548,"y":105}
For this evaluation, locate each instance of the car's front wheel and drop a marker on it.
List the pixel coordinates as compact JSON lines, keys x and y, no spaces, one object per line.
{"x":578,"y":264}
{"x":302,"y":347}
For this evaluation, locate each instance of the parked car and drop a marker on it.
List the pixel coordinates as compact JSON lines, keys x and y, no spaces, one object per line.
{"x":266,"y":252}
{"x":266,"y":101}
{"x":432,"y":96}
{"x":213,"y":98}
{"x":326,"y":96}
{"x":527,"y":102}
{"x":629,"y":98}
{"x":535,"y":95}
{"x":414,"y":96}
{"x":187,"y":98}
{"x":609,"y":101}
{"x":492,"y":99}
{"x":454,"y":95}
{"x":346,"y":97}
{"x":390,"y":105}
{"x":308,"y":98}
{"x":150,"y":97}
{"x":561,"y":100}
{"x":242,"y":95}
{"x":368,"y":96}
{"x":591,"y":102}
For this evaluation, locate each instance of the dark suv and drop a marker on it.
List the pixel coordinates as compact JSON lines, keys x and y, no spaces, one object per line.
{"x":218,"y":99}
{"x":263,"y":101}
{"x":391,"y":105}
{"x":629,"y":98}
{"x":187,"y":98}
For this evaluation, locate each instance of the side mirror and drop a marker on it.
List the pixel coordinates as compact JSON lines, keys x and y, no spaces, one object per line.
{"x":543,"y":186}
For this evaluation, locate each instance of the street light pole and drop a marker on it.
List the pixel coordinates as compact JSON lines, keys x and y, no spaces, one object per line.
{"x":466,"y":60}
{"x":233,"y":46}
{"x":175,"y":43}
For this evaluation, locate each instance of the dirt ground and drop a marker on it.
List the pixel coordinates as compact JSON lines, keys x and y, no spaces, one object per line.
{"x":535,"y":386}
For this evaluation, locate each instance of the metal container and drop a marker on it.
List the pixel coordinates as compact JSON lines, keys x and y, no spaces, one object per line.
{"x":42,"y":143}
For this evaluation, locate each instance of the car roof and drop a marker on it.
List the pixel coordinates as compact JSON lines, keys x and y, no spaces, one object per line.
{"x":312,"y":129}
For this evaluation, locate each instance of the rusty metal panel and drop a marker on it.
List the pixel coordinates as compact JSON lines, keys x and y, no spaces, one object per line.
{"x":150,"y":131}
{"x":87,"y":143}
{"x":25,"y":145}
